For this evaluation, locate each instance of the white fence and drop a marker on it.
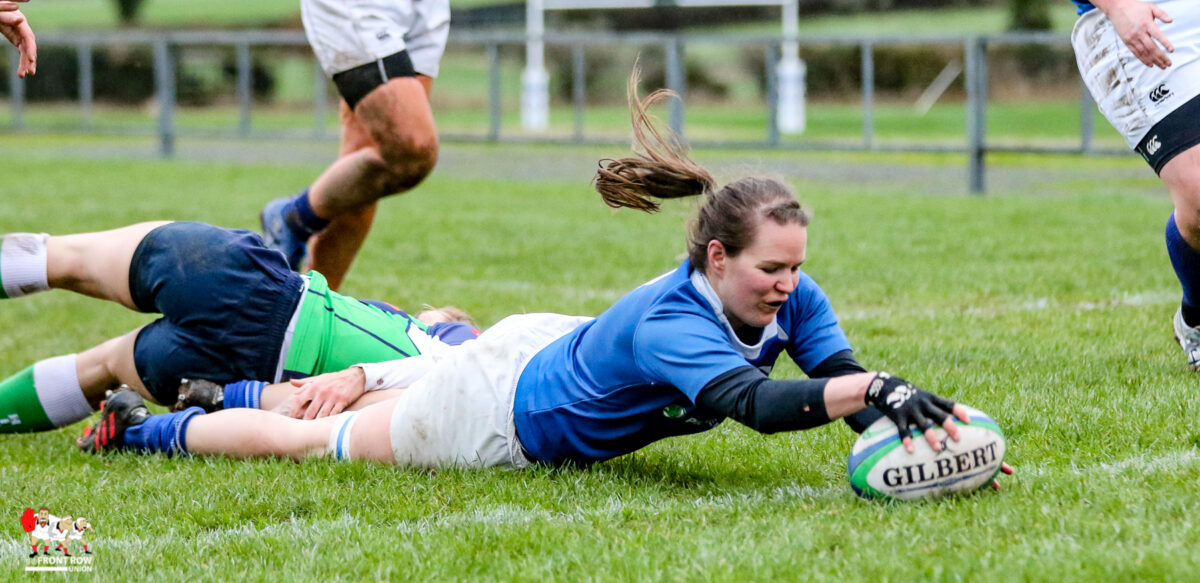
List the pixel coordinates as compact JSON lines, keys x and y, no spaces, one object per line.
{"x":975,"y":52}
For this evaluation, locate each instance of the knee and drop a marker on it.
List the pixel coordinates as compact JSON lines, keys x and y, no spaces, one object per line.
{"x":408,"y":159}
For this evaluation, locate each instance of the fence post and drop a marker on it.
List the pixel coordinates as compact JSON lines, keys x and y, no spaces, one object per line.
{"x":578,"y":88}
{"x":772,"y":57}
{"x":1087,"y":120}
{"x":87,"y":84}
{"x":976,"y":57}
{"x":495,"y":112}
{"x":16,"y":90}
{"x":164,"y":81}
{"x":245,"y":86}
{"x":676,"y":81}
{"x":868,"y":94}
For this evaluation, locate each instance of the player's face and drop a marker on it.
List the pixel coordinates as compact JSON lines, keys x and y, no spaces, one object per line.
{"x":43,"y":514}
{"x":754,"y":284}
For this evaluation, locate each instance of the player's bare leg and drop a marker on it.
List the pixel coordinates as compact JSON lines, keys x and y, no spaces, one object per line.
{"x":332,"y":251}
{"x":389,"y":146}
{"x":399,"y":120}
{"x":108,"y":366}
{"x":1182,"y":178}
{"x":96,"y":264}
{"x":249,"y":433}
{"x":62,"y":390}
{"x":93,"y":264}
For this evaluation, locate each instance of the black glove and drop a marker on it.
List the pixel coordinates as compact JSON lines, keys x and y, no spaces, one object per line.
{"x":906,"y":404}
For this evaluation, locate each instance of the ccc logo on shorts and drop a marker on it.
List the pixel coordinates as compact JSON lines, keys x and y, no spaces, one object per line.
{"x":1153,"y":146}
{"x":1159,"y":93}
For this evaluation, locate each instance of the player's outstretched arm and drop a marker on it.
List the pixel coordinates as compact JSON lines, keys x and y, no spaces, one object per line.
{"x":1137,"y":24}
{"x":324,"y":395}
{"x":15,"y":28}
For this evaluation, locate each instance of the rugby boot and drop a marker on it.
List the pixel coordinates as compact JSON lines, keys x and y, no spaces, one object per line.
{"x":122,"y":410}
{"x":200,"y":393}
{"x":279,"y":235}
{"x":1188,"y":338}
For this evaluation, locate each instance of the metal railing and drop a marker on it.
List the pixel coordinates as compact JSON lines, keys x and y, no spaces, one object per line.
{"x":974,"y":145}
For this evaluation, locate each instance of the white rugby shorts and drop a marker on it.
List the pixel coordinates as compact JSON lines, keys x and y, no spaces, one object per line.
{"x":461,"y":413}
{"x":1132,"y":96}
{"x":347,"y":33}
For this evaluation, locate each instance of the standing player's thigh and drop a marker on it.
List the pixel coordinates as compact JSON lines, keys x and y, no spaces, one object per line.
{"x":370,"y":437}
{"x":399,"y":111}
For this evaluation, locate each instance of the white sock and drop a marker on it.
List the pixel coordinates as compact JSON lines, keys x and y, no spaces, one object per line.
{"x":339,"y":436}
{"x":23,"y":264}
{"x":58,"y":390}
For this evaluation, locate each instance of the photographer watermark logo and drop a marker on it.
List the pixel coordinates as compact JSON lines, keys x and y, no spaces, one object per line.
{"x":52,"y":540}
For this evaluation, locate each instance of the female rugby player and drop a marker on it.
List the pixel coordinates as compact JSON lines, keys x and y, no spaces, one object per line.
{"x":675,"y":356}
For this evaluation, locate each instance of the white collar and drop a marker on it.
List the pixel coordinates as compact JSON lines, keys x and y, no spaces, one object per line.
{"x":750,"y":352}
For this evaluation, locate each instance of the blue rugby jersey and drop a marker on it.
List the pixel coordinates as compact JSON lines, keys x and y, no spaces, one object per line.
{"x":631,"y":376}
{"x":1082,"y":6}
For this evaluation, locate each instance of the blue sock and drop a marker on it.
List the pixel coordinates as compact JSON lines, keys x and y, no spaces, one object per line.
{"x":301,"y":218}
{"x":165,"y":433}
{"x":1186,"y":262}
{"x":243,"y":394}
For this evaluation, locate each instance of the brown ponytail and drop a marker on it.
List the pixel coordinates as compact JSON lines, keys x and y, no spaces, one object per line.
{"x":660,"y":168}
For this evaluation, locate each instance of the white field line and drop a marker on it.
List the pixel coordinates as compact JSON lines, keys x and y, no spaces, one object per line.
{"x":1146,"y":298}
{"x":316,"y":532}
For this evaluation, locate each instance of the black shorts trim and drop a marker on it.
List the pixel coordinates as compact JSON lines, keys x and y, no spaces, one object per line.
{"x":354,"y":84}
{"x":1171,"y":136}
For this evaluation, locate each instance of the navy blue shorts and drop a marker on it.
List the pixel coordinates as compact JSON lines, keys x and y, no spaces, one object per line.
{"x":226,"y":301}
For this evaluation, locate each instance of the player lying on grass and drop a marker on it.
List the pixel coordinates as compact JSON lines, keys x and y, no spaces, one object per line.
{"x":675,"y":356}
{"x":232,"y":309}
{"x":1145,"y":77}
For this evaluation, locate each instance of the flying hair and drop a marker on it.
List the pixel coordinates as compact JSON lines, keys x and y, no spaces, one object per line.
{"x":659,"y":167}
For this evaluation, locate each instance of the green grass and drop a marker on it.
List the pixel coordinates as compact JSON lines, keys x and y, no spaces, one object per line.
{"x":1046,"y":307}
{"x":1009,"y":124}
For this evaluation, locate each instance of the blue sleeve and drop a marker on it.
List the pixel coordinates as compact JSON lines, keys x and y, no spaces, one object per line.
{"x":812,"y":328}
{"x":386,"y":307}
{"x":683,"y":349}
{"x":453,"y":333}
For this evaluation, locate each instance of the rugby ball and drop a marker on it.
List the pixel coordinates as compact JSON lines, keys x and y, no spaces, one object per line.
{"x":881,"y":468}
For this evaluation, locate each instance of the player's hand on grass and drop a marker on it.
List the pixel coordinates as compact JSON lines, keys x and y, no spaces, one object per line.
{"x":327,"y":394}
{"x":908,"y":406}
{"x":16,"y":29}
{"x":1136,"y":24}
{"x":1007,"y":470}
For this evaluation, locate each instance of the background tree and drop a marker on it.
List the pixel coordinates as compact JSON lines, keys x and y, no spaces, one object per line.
{"x":128,"y":10}
{"x":1029,"y":15}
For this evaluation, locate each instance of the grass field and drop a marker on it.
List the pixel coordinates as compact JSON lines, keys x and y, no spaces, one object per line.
{"x":1046,"y":304}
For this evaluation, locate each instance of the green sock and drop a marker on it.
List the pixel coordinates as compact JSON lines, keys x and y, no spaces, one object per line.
{"x":20,"y":409}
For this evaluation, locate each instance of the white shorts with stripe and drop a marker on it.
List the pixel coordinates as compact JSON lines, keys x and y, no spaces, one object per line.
{"x":461,"y":412}
{"x":347,"y":33}
{"x":1132,"y":96}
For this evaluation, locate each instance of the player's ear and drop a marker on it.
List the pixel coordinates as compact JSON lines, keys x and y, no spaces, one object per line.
{"x":716,"y":255}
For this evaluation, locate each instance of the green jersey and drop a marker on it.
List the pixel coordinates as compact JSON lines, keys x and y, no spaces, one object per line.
{"x":332,"y":332}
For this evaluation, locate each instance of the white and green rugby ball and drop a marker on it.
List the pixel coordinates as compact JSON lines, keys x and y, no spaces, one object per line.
{"x":881,"y":468}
